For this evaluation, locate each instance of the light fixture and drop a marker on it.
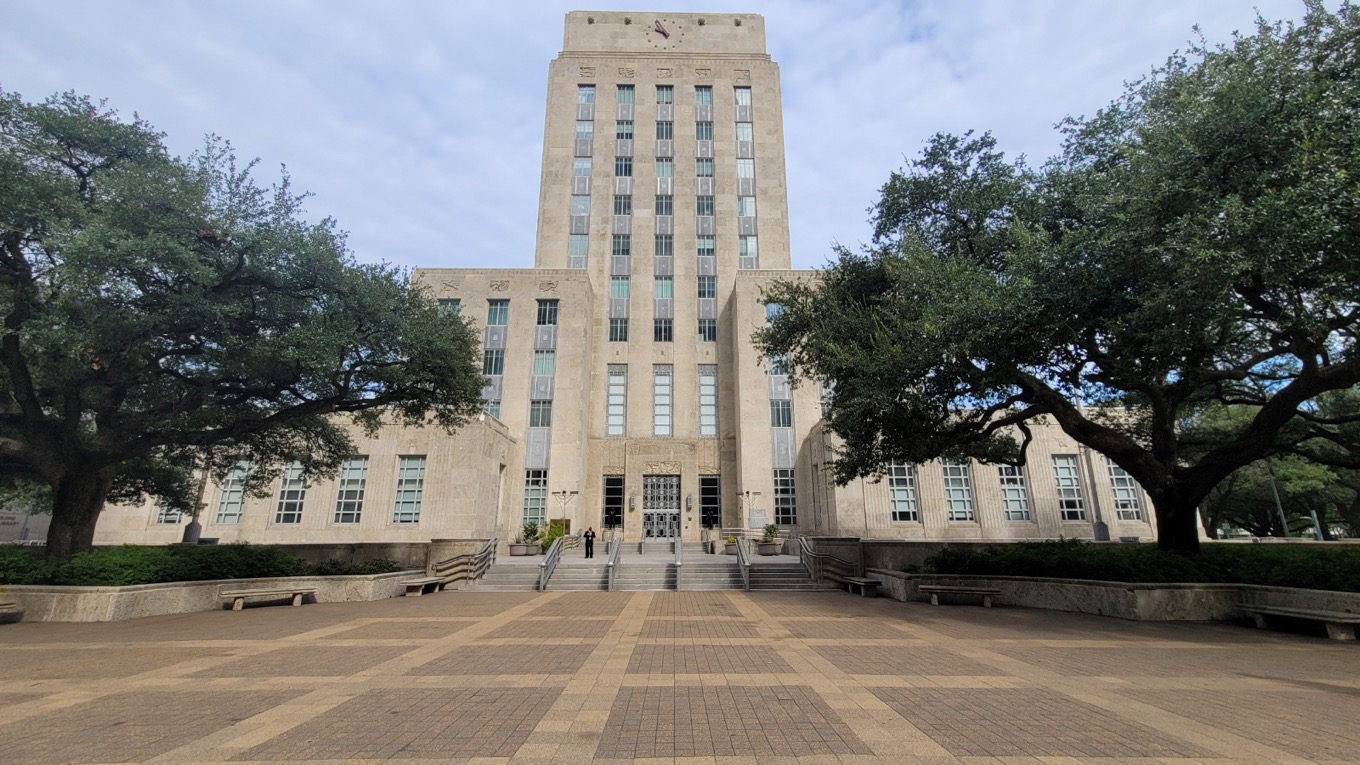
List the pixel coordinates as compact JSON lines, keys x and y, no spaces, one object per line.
{"x":632,"y":501}
{"x":689,"y":501}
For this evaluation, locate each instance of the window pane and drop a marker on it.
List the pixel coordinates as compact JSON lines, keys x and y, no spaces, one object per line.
{"x":535,"y":496}
{"x":585,"y":94}
{"x":580,"y":204}
{"x":292,"y":493}
{"x":662,"y":331}
{"x":703,"y":94}
{"x":623,"y":130}
{"x":410,"y":487}
{"x":1014,"y":496}
{"x":743,"y":96}
{"x":708,"y":400}
{"x":781,"y":414}
{"x":665,"y":94}
{"x":625,"y":94}
{"x":349,"y":499}
{"x":618,"y":330}
{"x":585,"y":129}
{"x":547,"y":313}
{"x":708,"y":330}
{"x":902,"y":492}
{"x":581,"y":167}
{"x":661,"y":399}
{"x":746,"y":247}
{"x":665,"y":167}
{"x":545,"y":362}
{"x":744,"y":131}
{"x":746,"y":168}
{"x":746,"y":207}
{"x":622,"y":245}
{"x":623,"y":204}
{"x":703,"y":205}
{"x":232,"y":503}
{"x":623,"y":167}
{"x":1071,"y":503}
{"x":616,"y":399}
{"x":705,"y":246}
{"x":618,"y":287}
{"x":703,"y":131}
{"x":497,"y":313}
{"x":707,"y":286}
{"x":958,"y":491}
{"x":703,"y":168}
{"x":493,"y":361}
{"x":540,"y":414}
{"x":785,"y":506}
{"x":665,"y":204}
{"x":665,"y":246}
{"x":665,"y":130}
{"x":663,"y":287}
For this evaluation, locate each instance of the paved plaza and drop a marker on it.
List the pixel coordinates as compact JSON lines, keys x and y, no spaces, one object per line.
{"x":665,"y":677}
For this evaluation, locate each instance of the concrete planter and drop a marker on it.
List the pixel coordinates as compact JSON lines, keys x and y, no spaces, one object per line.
{"x":768,"y":548}
{"x":523,"y":549}
{"x":730,"y":549}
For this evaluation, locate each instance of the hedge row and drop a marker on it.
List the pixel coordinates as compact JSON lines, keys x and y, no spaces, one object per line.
{"x":121,"y":566}
{"x":1309,"y":566}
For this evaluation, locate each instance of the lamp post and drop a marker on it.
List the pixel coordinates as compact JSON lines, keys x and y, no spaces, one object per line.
{"x":565,"y":497}
{"x":745,"y":498}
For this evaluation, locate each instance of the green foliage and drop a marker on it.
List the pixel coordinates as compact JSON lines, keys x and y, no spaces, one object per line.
{"x":334,"y":567}
{"x":23,"y":565}
{"x":528,"y":534}
{"x":1196,"y":243}
{"x":770,"y":533}
{"x":169,"y":312}
{"x":731,"y":540}
{"x":555,"y":530}
{"x":1321,"y":568}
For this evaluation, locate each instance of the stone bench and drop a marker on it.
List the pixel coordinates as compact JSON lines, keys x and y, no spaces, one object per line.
{"x":867,"y":587}
{"x":10,"y":613}
{"x":1340,"y":624}
{"x":238,"y":597}
{"x":936,"y":590}
{"x":417,"y":587}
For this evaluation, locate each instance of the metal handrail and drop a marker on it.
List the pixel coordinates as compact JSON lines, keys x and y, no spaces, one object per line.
{"x":612,"y":549}
{"x":679,"y":549}
{"x":817,"y":563}
{"x":744,"y":565}
{"x":549,"y":564}
{"x":468,"y":566}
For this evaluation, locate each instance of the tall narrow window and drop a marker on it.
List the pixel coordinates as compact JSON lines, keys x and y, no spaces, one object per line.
{"x":540,"y":414}
{"x":1071,"y":503}
{"x":710,"y":501}
{"x":167,"y":513}
{"x":902,"y":492}
{"x":785,"y":501}
{"x":410,"y":487}
{"x":665,"y":204}
{"x":493,"y":362}
{"x":703,"y":167}
{"x":744,"y":132}
{"x":958,"y":491}
{"x":743,"y":96}
{"x":708,"y":330}
{"x":623,"y":130}
{"x":621,"y":245}
{"x":535,"y":496}
{"x":349,"y":499}
{"x":663,"y":287}
{"x":746,"y":246}
{"x":497,"y":313}
{"x":232,"y":503}
{"x":623,"y":167}
{"x":580,"y":205}
{"x":703,"y":94}
{"x":703,"y":131}
{"x":616,"y":400}
{"x":703,"y":205}
{"x":612,"y":515}
{"x":665,"y":130}
{"x":492,"y":406}
{"x":625,"y":94}
{"x":545,"y":362}
{"x":585,"y":130}
{"x":585,"y":94}
{"x":1125,"y":488}
{"x":707,"y":286}
{"x":662,"y":393}
{"x":580,"y":167}
{"x":771,"y":311}
{"x":781,"y":413}
{"x":665,"y":167}
{"x":618,"y":287}
{"x":623,"y":204}
{"x":746,"y":168}
{"x":1014,"y":497}
{"x":663,"y":330}
{"x":578,"y":249}
{"x":665,"y":246}
{"x":705,"y":246}
{"x":746,"y":207}
{"x":618,"y":330}
{"x":708,"y":400}
{"x":292,"y":493}
{"x":547,"y":313}
{"x":665,"y":94}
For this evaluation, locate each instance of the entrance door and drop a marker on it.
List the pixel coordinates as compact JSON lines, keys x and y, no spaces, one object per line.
{"x":660,"y":506}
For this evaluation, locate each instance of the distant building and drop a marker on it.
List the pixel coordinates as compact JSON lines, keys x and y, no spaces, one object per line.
{"x":620,"y":373}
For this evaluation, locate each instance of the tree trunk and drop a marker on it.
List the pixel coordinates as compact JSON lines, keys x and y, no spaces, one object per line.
{"x":1177,"y":524}
{"x":76,"y":503}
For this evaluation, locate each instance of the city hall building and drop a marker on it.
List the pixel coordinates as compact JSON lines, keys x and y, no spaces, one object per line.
{"x":622,"y":387}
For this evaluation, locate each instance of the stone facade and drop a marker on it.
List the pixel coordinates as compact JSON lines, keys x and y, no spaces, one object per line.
{"x":621,"y":376}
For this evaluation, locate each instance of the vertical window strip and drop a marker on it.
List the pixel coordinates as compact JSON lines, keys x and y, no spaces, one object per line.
{"x":545,"y":363}
{"x":349,"y":498}
{"x":535,"y":497}
{"x":710,"y":501}
{"x":612,"y":515}
{"x":292,"y":494}
{"x":902,"y":492}
{"x":708,"y":400}
{"x":663,"y":382}
{"x":233,"y":500}
{"x":785,"y":499}
{"x":1126,"y":502}
{"x":497,"y":313}
{"x":410,"y":488}
{"x":958,"y":491}
{"x":616,"y":400}
{"x":1071,"y":503}
{"x":1014,"y":496}
{"x":547,"y":313}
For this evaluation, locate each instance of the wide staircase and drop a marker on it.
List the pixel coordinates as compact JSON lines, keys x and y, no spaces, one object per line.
{"x":502,"y":577}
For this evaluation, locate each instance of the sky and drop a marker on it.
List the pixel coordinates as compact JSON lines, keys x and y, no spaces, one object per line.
{"x":418,"y":124}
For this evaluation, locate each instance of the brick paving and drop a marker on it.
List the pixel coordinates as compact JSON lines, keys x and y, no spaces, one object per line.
{"x":709,"y":678}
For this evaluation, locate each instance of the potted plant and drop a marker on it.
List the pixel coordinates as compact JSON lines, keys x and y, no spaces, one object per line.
{"x":526,"y":542}
{"x":730,"y":546}
{"x":769,"y":541}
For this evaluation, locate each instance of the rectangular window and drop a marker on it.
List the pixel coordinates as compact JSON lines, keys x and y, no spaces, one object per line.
{"x":781,"y":413}
{"x":708,"y":400}
{"x":578,"y":247}
{"x":703,"y":131}
{"x":708,"y":330}
{"x":703,"y":167}
{"x":625,"y":94}
{"x":705,"y":246}
{"x":785,"y":501}
{"x":623,"y":167}
{"x":665,"y":246}
{"x":585,"y":94}
{"x":623,"y":204}
{"x":233,"y":501}
{"x":493,"y":361}
{"x":497,"y":313}
{"x":1014,"y":497}
{"x":665,"y":204}
{"x":665,"y":130}
{"x":902,"y":492}
{"x":585,"y":130}
{"x":616,"y":400}
{"x":1125,"y":488}
{"x":450,"y":306}
{"x":746,"y":246}
{"x":746,"y":168}
{"x":1071,"y":504}
{"x":665,"y":94}
{"x":826,"y":392}
{"x":535,"y":496}
{"x":958,"y":491}
{"x":665,"y":167}
{"x":663,"y":287}
{"x":618,"y":287}
{"x":623,"y":130}
{"x":707,"y":286}
{"x":771,"y":311}
{"x":744,"y":131}
{"x":580,"y":204}
{"x":349,"y":497}
{"x":618,"y":330}
{"x":540,"y":414}
{"x":703,"y":205}
{"x":746,"y":207}
{"x":663,"y":383}
{"x":547,"y":313}
{"x":166,"y":513}
{"x":621,"y":245}
{"x":410,"y":487}
{"x":710,"y":501}
{"x":292,"y":493}
{"x":492,"y":407}
{"x":776,"y":365}
{"x":612,"y":515}
{"x":743,"y":96}
{"x":545,"y":362}
{"x":703,"y":94}
{"x":663,"y":330}
{"x":580,"y":167}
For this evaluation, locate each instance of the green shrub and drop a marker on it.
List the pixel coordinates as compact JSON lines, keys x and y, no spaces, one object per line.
{"x":336,"y":567}
{"x":1322,"y":568}
{"x":23,"y":565}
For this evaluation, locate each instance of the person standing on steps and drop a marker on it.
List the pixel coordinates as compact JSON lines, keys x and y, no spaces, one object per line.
{"x":589,"y":536}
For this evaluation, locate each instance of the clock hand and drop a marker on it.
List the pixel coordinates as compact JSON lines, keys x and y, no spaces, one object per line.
{"x":662,"y":31}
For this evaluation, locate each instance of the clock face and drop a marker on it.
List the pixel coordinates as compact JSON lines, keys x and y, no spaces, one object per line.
{"x":664,"y":34}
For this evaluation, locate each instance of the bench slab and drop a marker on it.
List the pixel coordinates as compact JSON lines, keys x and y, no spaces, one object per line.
{"x":1340,"y":624}
{"x":417,"y":587}
{"x":238,"y":597}
{"x":867,"y":587}
{"x":10,"y":613}
{"x":936,"y":590}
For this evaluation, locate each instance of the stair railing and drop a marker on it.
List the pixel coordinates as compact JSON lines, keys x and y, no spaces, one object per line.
{"x":744,"y":565}
{"x":679,"y":548}
{"x":612,"y":552}
{"x":468,"y":566}
{"x":824,"y":567}
{"x":549,"y":564}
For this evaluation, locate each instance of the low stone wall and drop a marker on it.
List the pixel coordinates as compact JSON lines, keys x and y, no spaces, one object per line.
{"x":406,"y":554}
{"x":1140,"y":602}
{"x":46,"y":603}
